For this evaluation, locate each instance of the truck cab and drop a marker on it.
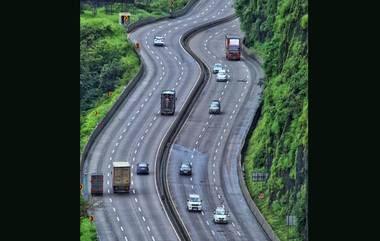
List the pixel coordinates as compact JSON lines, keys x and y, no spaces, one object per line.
{"x":233,"y":47}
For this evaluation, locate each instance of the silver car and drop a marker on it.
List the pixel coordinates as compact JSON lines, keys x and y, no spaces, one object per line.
{"x":158,"y":41}
{"x":216,"y":68}
{"x":220,"y":215}
{"x":214,"y":107}
{"x":222,"y":76}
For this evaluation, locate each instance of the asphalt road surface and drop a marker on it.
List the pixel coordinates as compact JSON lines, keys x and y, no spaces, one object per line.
{"x":136,"y":130}
{"x":212,"y":144}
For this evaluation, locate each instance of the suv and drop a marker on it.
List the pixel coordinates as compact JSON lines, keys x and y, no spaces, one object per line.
{"x":221,"y":76}
{"x":185,"y":169}
{"x":142,"y":168}
{"x":220,"y":215}
{"x":214,"y":107}
{"x":217,"y":68}
{"x":158,"y":41}
{"x":194,"y":202}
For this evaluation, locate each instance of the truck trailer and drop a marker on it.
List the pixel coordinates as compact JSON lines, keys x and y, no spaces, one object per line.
{"x":121,"y":178}
{"x":168,"y":102}
{"x":233,"y":47}
{"x":97,"y":184}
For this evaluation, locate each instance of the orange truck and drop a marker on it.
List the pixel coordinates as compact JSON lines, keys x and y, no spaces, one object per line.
{"x":233,"y":47}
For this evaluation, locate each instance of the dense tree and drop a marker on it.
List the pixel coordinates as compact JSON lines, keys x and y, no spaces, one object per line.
{"x":277,"y":30}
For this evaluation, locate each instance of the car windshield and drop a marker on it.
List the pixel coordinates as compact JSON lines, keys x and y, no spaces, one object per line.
{"x":195,"y":199}
{"x":143,"y":165}
{"x":218,"y":66}
{"x":220,"y":212}
{"x":185,"y":166}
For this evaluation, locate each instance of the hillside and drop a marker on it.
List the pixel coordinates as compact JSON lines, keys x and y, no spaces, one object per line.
{"x":107,"y":59}
{"x":277,"y":31}
{"x":107,"y":64}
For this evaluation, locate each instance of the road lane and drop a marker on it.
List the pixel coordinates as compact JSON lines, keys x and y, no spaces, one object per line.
{"x":121,"y":218}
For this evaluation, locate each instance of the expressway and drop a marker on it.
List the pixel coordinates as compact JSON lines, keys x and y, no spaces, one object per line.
{"x":137,"y":128}
{"x":212,"y":144}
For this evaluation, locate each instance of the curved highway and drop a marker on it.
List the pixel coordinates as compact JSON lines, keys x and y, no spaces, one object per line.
{"x":137,"y":128}
{"x":212,"y":144}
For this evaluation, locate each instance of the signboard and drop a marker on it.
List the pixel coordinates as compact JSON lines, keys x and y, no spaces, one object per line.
{"x":259,"y":176}
{"x":291,"y":220}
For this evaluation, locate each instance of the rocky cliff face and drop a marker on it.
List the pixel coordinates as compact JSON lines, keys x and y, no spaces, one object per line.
{"x":277,"y":31}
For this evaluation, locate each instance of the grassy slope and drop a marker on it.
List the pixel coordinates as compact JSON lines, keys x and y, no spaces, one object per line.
{"x":277,"y":30}
{"x":114,"y":41}
{"x":111,"y":38}
{"x":87,"y":229}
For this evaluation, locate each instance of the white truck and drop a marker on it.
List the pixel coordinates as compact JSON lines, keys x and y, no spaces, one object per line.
{"x":194,"y":203}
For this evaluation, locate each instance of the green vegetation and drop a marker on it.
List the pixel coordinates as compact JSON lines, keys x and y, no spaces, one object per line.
{"x":87,"y":229}
{"x":277,"y":31}
{"x":107,"y":59}
{"x":107,"y":63}
{"x":140,"y":10}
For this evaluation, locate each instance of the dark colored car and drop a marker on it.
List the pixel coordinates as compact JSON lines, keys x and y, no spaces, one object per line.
{"x":214,"y":107}
{"x":185,"y":169}
{"x":142,"y":168}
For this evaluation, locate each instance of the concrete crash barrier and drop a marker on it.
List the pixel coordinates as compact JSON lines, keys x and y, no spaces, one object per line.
{"x":130,"y":85}
{"x":255,"y":210}
{"x":252,"y":55}
{"x":163,"y":151}
{"x":251,"y":204}
{"x":178,"y":13}
{"x":98,"y":129}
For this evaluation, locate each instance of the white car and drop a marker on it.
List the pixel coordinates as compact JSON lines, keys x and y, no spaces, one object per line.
{"x":220,"y":215}
{"x":217,"y":68}
{"x":158,"y":41}
{"x":221,"y":76}
{"x":194,"y":202}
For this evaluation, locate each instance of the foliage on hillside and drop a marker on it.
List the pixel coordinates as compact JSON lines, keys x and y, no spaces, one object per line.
{"x":277,"y":30}
{"x":87,"y":229}
{"x":107,"y":63}
{"x":140,"y":10}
